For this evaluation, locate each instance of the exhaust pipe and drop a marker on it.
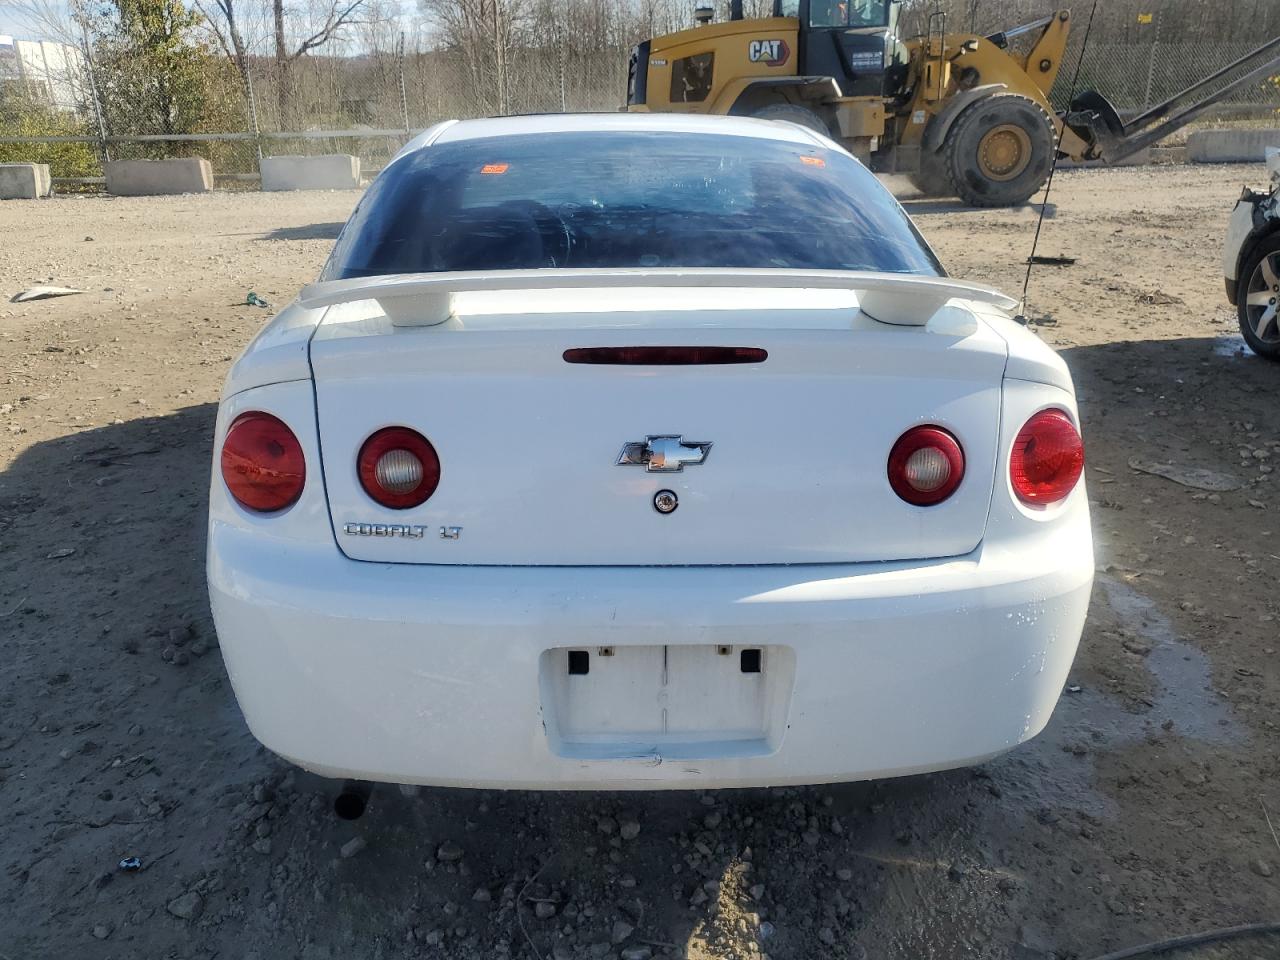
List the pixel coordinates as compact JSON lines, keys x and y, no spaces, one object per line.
{"x":352,"y":799}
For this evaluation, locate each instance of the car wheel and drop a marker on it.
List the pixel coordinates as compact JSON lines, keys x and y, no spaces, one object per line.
{"x":1258,"y":298}
{"x":999,"y":151}
{"x":795,"y":114}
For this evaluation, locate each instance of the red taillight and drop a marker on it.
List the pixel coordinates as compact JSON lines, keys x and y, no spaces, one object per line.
{"x":262,"y":462}
{"x":398,"y":467}
{"x":1047,"y":458}
{"x":925,"y":466}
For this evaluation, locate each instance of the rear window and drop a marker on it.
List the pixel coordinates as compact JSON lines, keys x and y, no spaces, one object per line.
{"x":626,"y":199}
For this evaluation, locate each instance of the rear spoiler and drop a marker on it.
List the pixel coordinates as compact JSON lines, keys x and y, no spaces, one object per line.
{"x":426,"y":299}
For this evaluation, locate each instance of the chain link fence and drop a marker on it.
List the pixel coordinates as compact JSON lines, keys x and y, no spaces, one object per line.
{"x":369,"y":103}
{"x":1136,"y":77}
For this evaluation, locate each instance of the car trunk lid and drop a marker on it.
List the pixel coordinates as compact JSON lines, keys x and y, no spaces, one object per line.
{"x":543,"y":461}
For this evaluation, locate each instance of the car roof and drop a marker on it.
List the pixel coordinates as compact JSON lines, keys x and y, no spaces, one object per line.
{"x":461,"y":130}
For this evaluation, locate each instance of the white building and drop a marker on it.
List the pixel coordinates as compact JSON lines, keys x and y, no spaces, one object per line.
{"x":50,"y":71}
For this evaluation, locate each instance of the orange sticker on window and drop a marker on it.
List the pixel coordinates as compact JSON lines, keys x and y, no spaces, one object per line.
{"x":813,"y":161}
{"x":495,"y":168}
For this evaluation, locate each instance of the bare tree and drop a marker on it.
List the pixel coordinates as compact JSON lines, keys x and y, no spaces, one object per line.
{"x":485,"y":33}
{"x":333,"y":16}
{"x":226,"y":28}
{"x":293,"y":34}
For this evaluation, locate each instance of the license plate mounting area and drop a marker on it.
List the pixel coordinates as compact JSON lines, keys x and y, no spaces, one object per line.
{"x":666,"y":702}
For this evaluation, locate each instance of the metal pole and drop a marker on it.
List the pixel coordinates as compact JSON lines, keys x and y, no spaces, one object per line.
{"x":500,"y":59}
{"x":253,"y":108}
{"x":1151,"y":64}
{"x":562,"y":43}
{"x":404,"y":98}
{"x":103,"y":149}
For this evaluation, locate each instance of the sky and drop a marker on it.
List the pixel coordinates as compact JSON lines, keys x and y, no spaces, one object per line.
{"x":13,"y":24}
{"x":9,"y":24}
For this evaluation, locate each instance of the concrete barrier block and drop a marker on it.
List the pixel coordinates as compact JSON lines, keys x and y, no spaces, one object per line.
{"x":25,"y":181}
{"x":148,"y":178}
{"x":331,"y":171}
{"x":1230,"y":146}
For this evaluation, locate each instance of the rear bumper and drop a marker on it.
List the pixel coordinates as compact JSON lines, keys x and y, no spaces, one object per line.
{"x":431,"y":674}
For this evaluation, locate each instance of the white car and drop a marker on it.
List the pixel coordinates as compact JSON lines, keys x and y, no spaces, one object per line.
{"x":1251,"y":263}
{"x":639,"y":452}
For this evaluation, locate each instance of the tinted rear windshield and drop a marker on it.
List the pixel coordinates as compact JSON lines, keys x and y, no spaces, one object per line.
{"x":626,"y":199}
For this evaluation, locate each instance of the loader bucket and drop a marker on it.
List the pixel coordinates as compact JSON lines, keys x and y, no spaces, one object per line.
{"x":1095,"y":120}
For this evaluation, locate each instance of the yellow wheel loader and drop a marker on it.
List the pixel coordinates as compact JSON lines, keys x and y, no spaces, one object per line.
{"x":960,"y":114}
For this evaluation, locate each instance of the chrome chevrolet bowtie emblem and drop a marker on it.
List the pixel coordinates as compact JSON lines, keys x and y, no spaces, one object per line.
{"x":663,"y":454}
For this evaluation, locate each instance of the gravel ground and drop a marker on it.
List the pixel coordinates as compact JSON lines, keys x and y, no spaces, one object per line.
{"x":1140,"y":813}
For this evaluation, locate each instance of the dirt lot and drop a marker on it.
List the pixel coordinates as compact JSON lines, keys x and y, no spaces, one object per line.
{"x":1137,"y":815}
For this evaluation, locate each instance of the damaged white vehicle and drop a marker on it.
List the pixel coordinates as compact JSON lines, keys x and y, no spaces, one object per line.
{"x":638,"y":452}
{"x":1251,"y":263}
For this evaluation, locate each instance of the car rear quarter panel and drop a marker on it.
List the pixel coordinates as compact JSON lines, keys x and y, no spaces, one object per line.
{"x":278,"y":353}
{"x":307,"y":521}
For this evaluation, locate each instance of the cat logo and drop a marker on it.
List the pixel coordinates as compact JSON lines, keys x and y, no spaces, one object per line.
{"x":772,"y":53}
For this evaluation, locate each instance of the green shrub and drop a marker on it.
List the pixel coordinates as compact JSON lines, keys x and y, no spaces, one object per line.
{"x":22,"y":117}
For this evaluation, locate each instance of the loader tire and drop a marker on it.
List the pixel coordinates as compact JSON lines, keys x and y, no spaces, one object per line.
{"x":999,"y":151}
{"x":931,"y":179}
{"x":795,"y":114}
